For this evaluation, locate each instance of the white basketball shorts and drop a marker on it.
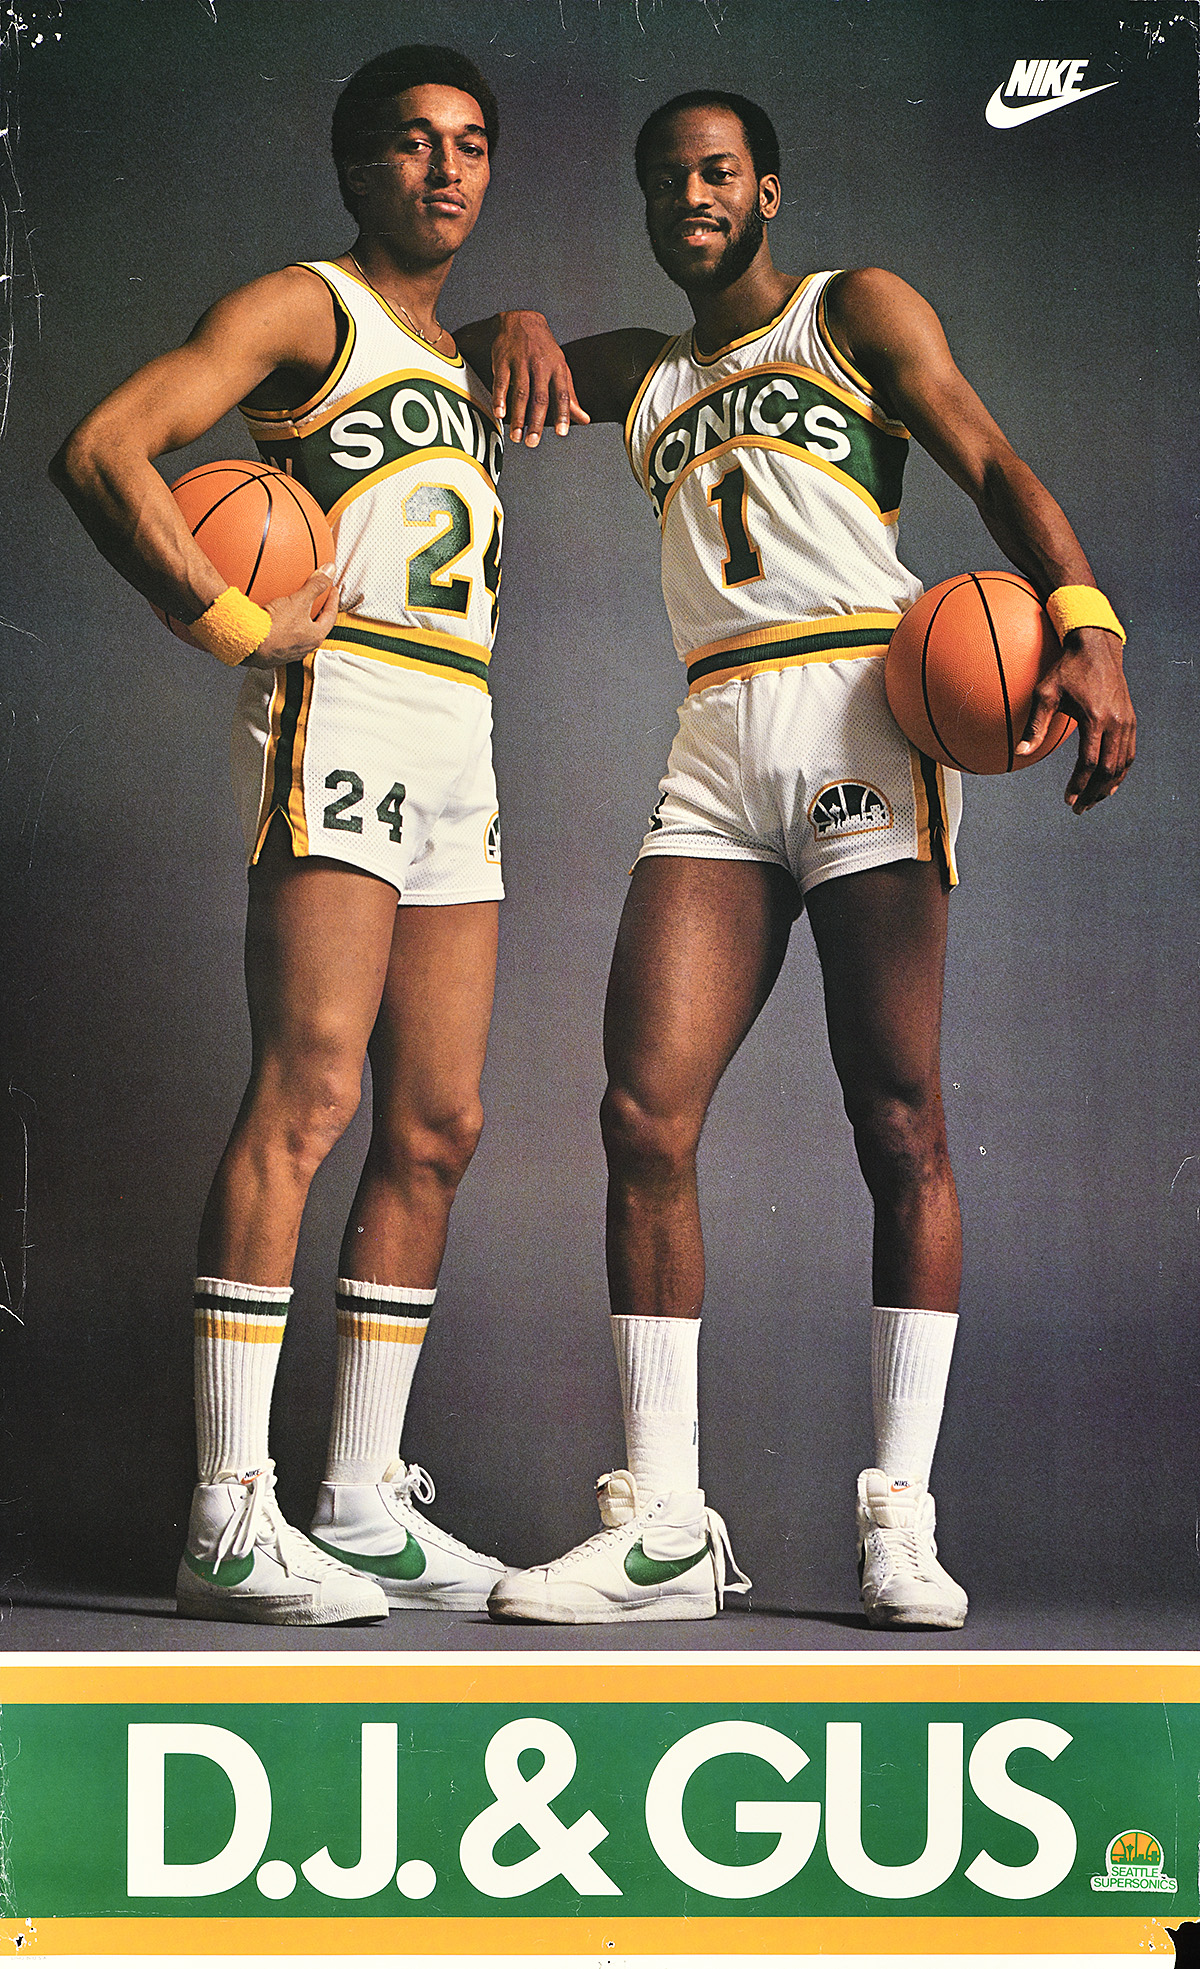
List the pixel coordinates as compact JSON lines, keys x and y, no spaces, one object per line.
{"x":385,"y":768}
{"x":807,"y":768}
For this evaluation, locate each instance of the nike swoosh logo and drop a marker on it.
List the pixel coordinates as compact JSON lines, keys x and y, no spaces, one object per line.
{"x":230,"y":1572}
{"x":655,"y":1572}
{"x":1001,"y":117}
{"x":408,"y":1563}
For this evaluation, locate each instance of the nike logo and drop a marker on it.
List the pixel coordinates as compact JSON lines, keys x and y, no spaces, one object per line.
{"x":229,"y":1572}
{"x":407,"y":1563}
{"x":1003,"y":117}
{"x":655,"y":1572}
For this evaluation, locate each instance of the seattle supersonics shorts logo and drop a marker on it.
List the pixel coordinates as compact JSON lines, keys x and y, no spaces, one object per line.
{"x":848,"y":807}
{"x":1135,"y":1866}
{"x":491,"y":844}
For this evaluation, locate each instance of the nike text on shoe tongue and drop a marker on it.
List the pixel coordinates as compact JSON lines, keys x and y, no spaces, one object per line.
{"x":903,"y":1584}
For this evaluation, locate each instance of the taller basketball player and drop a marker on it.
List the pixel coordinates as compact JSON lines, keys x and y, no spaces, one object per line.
{"x":771,"y":440}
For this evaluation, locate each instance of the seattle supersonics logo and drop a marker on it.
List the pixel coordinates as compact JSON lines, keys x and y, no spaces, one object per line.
{"x":1135,"y":1866}
{"x":848,"y":807}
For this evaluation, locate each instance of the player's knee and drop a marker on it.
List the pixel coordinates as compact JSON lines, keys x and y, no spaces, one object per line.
{"x":306,"y":1096}
{"x":644,"y":1140}
{"x":438,"y":1144}
{"x":900,"y":1137}
{"x":320,"y":1114}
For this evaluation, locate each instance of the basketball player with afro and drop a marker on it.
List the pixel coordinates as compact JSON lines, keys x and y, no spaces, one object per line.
{"x":362,"y":769}
{"x":771,"y":440}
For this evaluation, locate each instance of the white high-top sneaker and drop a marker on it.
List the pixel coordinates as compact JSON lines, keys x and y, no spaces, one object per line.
{"x":902,"y":1583}
{"x":243,"y":1561}
{"x":659,"y":1558}
{"x":375,"y":1529}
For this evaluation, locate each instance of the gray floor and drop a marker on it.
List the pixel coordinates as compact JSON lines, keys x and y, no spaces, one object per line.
{"x":152,"y":1626}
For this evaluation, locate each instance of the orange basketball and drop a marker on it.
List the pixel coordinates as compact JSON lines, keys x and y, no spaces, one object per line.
{"x":961,"y":670}
{"x":260,"y":529}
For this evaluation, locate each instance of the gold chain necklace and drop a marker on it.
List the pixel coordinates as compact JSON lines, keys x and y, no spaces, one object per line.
{"x":418,"y":332}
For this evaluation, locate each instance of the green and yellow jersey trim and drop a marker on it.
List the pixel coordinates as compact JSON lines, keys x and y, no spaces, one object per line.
{"x":718,"y":355}
{"x":797,"y":451}
{"x":302,"y":425}
{"x":407,"y":647}
{"x":739,"y":389}
{"x":835,"y":354}
{"x":274,"y":420}
{"x":788,"y":645}
{"x":934,"y":841}
{"x":636,"y":405}
{"x":283,"y":779}
{"x":456,"y":361}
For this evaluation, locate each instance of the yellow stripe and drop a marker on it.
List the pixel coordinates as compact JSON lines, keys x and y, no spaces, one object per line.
{"x":304,"y":426}
{"x":838,"y":355}
{"x":703,"y":362}
{"x":805,"y":457}
{"x":782,"y":663}
{"x":297,"y":819}
{"x":371,"y":1326}
{"x":224,"y":1326}
{"x":276,"y":423}
{"x":820,"y":625}
{"x":951,"y":865}
{"x":643,"y":386}
{"x":924,"y":819}
{"x":599,"y":1936}
{"x":452,"y":362}
{"x":920,"y":806}
{"x":744,"y":1678}
{"x":435,"y":638}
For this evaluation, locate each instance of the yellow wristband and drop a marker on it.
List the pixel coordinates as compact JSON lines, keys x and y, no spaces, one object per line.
{"x":232,"y":628}
{"x":1081,"y":608}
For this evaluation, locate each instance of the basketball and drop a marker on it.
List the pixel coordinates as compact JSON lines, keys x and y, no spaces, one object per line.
{"x":260,"y":529}
{"x":961,"y":670}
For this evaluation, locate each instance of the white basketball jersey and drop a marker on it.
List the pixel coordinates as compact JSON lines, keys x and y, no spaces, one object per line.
{"x":401,"y":450}
{"x":776,"y":479}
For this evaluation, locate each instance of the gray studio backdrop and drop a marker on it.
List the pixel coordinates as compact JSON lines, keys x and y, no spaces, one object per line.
{"x":161,"y":151}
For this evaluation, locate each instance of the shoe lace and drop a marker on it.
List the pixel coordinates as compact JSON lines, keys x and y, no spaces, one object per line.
{"x":410,"y":1480}
{"x":252,"y":1517}
{"x":722,"y":1551}
{"x":599,"y":1540}
{"x":908,"y":1550}
{"x":258,"y":1521}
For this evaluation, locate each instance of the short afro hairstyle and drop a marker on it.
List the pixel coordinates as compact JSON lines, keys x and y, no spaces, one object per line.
{"x":361,"y":121}
{"x":761,"y":140}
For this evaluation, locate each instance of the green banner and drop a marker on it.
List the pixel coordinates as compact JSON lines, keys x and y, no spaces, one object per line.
{"x":638,"y":1809}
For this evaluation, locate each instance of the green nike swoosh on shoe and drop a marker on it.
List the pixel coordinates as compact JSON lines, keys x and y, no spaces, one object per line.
{"x":408,"y":1563}
{"x":227,"y":1572}
{"x":644,"y":1571}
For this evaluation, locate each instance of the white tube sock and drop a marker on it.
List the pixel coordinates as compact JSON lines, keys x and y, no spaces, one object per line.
{"x":910,"y":1363}
{"x":380,"y":1331}
{"x":239,"y":1332}
{"x":657,"y":1363}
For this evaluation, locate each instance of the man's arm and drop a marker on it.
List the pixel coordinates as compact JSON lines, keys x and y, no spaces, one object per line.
{"x":896,"y":341}
{"x":593,"y":381}
{"x":281,"y":322}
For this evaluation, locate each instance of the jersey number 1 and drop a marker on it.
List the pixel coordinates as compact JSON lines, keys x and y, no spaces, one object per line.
{"x":728,"y":495}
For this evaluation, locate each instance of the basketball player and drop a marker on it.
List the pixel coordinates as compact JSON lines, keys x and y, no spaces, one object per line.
{"x":771,"y":439}
{"x":362,"y":769}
